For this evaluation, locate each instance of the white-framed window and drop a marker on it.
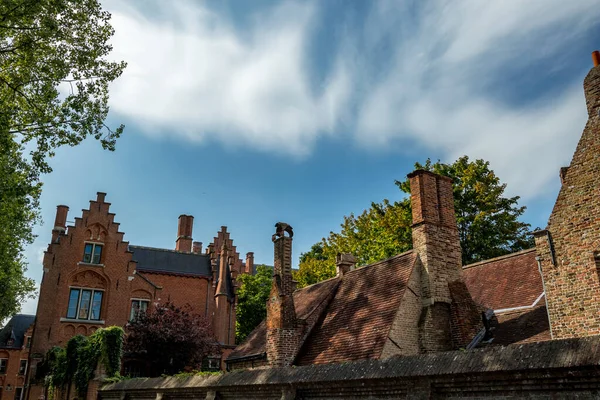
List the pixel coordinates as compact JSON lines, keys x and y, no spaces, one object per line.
{"x":28,"y":341}
{"x":3,"y":365}
{"x":85,"y":304}
{"x":92,"y":253}
{"x":138,"y":306}
{"x":19,"y":393}
{"x":23,"y":367}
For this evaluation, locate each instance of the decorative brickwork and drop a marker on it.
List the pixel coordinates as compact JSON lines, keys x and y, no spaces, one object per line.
{"x":567,"y":247}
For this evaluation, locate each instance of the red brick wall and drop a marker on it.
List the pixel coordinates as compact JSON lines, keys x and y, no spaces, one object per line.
{"x":12,"y":376}
{"x":572,"y":237}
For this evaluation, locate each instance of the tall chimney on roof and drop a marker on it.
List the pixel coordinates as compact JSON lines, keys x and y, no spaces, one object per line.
{"x":344,"y":262}
{"x":249,"y":262}
{"x":435,"y":238}
{"x":197,"y":247}
{"x":283,"y":332}
{"x":60,"y":222}
{"x":184,"y":233}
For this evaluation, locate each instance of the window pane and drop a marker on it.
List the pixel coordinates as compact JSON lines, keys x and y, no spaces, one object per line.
{"x":97,"y":254}
{"x":84,"y":304}
{"x":96,"y":305}
{"x":135,"y":304}
{"x":87,"y":253}
{"x":23,"y":367}
{"x":73,"y":301}
{"x":18,"y":393}
{"x":3,"y":362}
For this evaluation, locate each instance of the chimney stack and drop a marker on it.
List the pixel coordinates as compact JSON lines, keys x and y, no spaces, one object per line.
{"x":435,"y":238}
{"x":60,"y":222}
{"x":283,"y":332}
{"x":590,"y":87}
{"x":197,"y":247}
{"x":184,"y":233}
{"x":596,"y":58}
{"x":344,"y":262}
{"x":249,"y":262}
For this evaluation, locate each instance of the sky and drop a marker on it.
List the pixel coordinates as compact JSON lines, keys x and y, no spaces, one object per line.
{"x":247,"y":113}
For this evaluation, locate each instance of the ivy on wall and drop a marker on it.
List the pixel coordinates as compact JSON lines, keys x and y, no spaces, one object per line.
{"x":79,"y":359}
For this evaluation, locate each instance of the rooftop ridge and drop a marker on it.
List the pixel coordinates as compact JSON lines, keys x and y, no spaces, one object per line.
{"x":166,"y":250}
{"x":517,"y":253}
{"x":377,"y":263}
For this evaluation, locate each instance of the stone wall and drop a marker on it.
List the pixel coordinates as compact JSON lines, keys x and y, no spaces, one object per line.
{"x":560,"y":369}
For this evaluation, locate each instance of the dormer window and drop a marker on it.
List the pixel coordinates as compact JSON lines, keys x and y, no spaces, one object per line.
{"x":92,"y":253}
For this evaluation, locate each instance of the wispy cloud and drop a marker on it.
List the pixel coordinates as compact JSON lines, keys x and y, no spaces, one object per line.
{"x":413,"y":70}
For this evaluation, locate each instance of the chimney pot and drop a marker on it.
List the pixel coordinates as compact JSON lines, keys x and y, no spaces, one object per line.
{"x":197,"y":247}
{"x":184,"y":233}
{"x":344,"y":262}
{"x":596,"y":58}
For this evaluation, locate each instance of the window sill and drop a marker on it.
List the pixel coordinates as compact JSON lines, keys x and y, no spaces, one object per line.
{"x":83,"y":321}
{"x":90,"y":264}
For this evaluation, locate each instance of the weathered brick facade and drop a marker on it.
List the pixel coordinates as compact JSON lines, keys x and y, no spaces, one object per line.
{"x":15,"y":342}
{"x":568,"y":248}
{"x":92,"y":259}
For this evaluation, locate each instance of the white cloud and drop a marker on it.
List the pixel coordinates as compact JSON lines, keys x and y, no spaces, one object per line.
{"x":193,"y":74}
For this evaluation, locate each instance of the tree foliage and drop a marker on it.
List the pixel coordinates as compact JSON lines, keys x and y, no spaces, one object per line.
{"x":488,"y":223}
{"x":54,"y":78}
{"x":252,"y":301}
{"x":169,"y":338}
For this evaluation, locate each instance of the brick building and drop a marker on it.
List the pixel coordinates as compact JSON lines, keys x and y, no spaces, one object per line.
{"x":424,"y":301}
{"x":15,"y":341}
{"x":93,"y":278}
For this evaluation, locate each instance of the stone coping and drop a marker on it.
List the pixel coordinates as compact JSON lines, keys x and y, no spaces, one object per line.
{"x":554,"y":354}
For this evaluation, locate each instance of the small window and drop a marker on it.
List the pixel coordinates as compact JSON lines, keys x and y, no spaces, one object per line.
{"x":85,"y":304}
{"x":28,"y":342}
{"x":22,"y":367}
{"x":138,"y":306}
{"x":3,"y":365}
{"x":92,"y":253}
{"x":19,"y":393}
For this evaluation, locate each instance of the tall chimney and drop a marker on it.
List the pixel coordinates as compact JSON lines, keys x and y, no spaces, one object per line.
{"x":184,"y":233}
{"x":221,"y":316}
{"x":197,"y":247}
{"x":344,"y":262}
{"x":283,"y":333}
{"x":590,"y":87}
{"x":249,"y":262}
{"x":435,"y":238}
{"x":60,"y":222}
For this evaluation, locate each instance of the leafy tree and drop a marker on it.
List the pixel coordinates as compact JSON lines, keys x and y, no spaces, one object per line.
{"x":54,"y":78}
{"x":488,"y":223}
{"x":252,"y":301}
{"x":169,"y":338}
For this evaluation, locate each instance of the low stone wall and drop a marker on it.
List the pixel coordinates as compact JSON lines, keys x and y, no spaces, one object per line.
{"x":560,"y":369}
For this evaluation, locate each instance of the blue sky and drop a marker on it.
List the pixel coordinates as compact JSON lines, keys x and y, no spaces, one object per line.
{"x":248,"y":113}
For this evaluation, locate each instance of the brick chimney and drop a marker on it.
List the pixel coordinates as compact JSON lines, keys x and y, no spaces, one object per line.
{"x":184,"y":233}
{"x":283,"y":333}
{"x":60,"y":222}
{"x":435,"y":238}
{"x":197,"y":247}
{"x":566,"y":248}
{"x":249,"y":262}
{"x":344,"y":262}
{"x":221,"y":316}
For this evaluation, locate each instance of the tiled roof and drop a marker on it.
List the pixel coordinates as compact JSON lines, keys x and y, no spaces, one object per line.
{"x":15,"y":329}
{"x":358,"y":319}
{"x":155,"y":260}
{"x":305,"y":302}
{"x":505,"y":282}
{"x":522,"y":326}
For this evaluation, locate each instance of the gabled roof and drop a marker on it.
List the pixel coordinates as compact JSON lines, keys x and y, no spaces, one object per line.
{"x":358,"y":319}
{"x":166,"y":261}
{"x":306,"y":301}
{"x":505,"y":282}
{"x":15,"y":329}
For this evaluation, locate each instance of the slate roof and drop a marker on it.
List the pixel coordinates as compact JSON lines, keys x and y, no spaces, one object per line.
{"x":505,"y":282}
{"x":150,"y":259}
{"x":15,"y":329}
{"x":522,"y":326}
